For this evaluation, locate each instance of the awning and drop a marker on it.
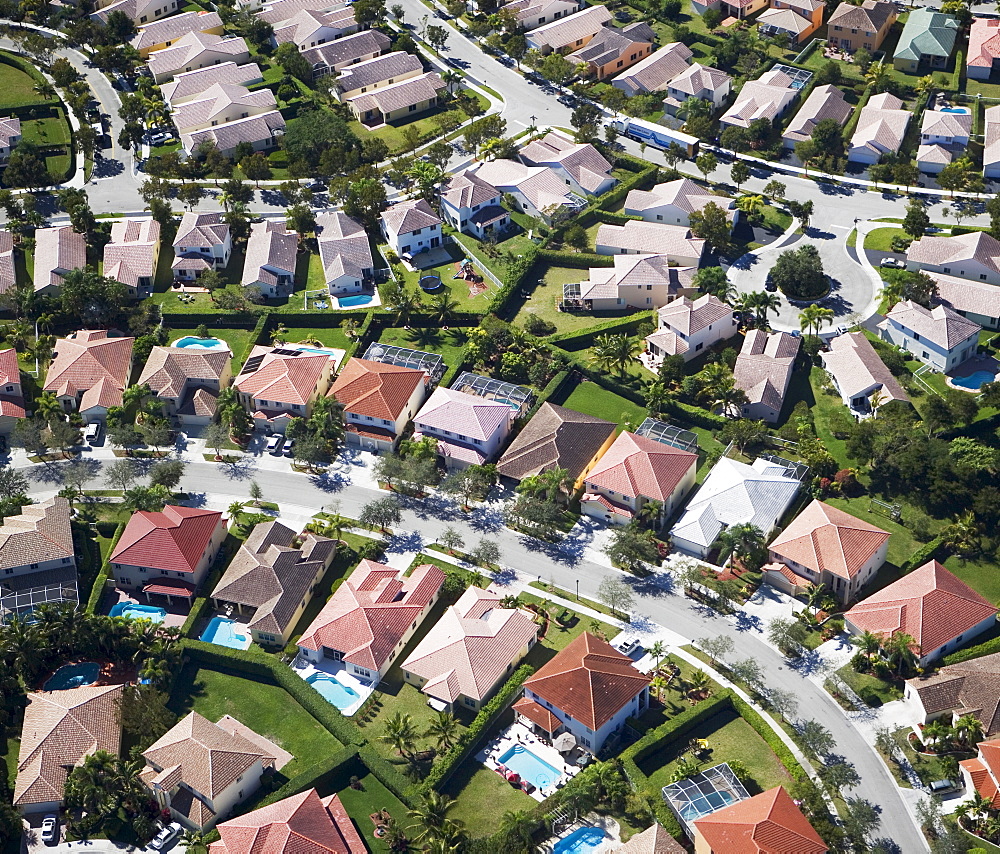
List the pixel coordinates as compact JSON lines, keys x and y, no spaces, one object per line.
{"x":537,"y":714}
{"x":170,"y":587}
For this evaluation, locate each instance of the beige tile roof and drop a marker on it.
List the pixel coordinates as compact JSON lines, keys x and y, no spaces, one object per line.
{"x":280,"y":376}
{"x":540,"y":185}
{"x":675,"y":241}
{"x":218,"y":100}
{"x":58,"y":250}
{"x":305,"y":24}
{"x":937,"y":123}
{"x":195,"y":48}
{"x":10,"y":131}
{"x":344,"y":248}
{"x":760,"y":99}
{"x":764,"y":367}
{"x":683,"y":194}
{"x":632,"y":270}
{"x":940,"y":325}
{"x":39,"y":534}
{"x":347,"y":49}
{"x":408,"y":216}
{"x":870,"y":16}
{"x":934,"y":154}
{"x":93,"y":363}
{"x":466,"y":190}
{"x":700,"y":78}
{"x":612,"y":44}
{"x":691,"y":316}
{"x":654,"y":72}
{"x":638,"y":467}
{"x":881,"y":125}
{"x":824,"y":102}
{"x":285,"y":10}
{"x":373,"y":72}
{"x":984,"y":42}
{"x":936,"y":251}
{"x":584,"y":163}
{"x":174,"y":28}
{"x":653,"y":840}
{"x":252,"y":129}
{"x":169,"y":370}
{"x":201,"y":229}
{"x":785,"y":20}
{"x":376,"y":389}
{"x":191,"y":84}
{"x":567,"y":31}
{"x":857,"y":368}
{"x":966,"y":295}
{"x":271,"y":247}
{"x":972,"y":687}
{"x":530,"y":9}
{"x":131,"y":252}
{"x":7,"y":274}
{"x":406,"y":93}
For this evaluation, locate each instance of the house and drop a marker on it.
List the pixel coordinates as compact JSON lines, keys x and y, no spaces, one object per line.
{"x":270,"y":259}
{"x":580,"y":165}
{"x":859,"y":375}
{"x":538,"y":190}
{"x":982,"y":773}
{"x":829,"y":548}
{"x":302,"y":824}
{"x":378,"y":401}
{"x":824,"y":102}
{"x":763,"y":370}
{"x":137,"y":11}
{"x":404,"y":99}
{"x":938,"y":337}
{"x":797,"y":19}
{"x":473,"y":206}
{"x":570,"y":32}
{"x":191,"y":85}
{"x":739,"y":9}
{"x":187,"y":382}
{"x":411,"y":227}
{"x":733,"y":493}
{"x":865,"y":26}
{"x":880,"y":130}
{"x":674,"y":202}
{"x":469,"y":429}
{"x":200,"y":771}
{"x":37,"y":558}
{"x":686,"y":327}
{"x":931,"y":605}
{"x":132,"y":255}
{"x":646,"y":238}
{"x":261,"y":132}
{"x":220,"y":104}
{"x":89,"y":372}
{"x":468,"y":653}
{"x":975,"y":301}
{"x":10,"y":136}
{"x":984,"y":48}
{"x":374,"y":73}
{"x":991,"y":142}
{"x":956,"y":690}
{"x":588,"y":689}
{"x":159,"y":35}
{"x":169,"y":552}
{"x":310,"y":28}
{"x":611,"y":50}
{"x":635,"y":281}
{"x":60,"y":729}
{"x":203,"y":242}
{"x":943,"y":137}
{"x":58,"y":251}
{"x":370,"y":618}
{"x":8,"y":277}
{"x":768,"y":97}
{"x":344,"y":252}
{"x":701,"y":82}
{"x":655,"y":72}
{"x":557,"y":438}
{"x":927,"y":41}
{"x":334,"y":56}
{"x":277,"y":384}
{"x":633,"y":472}
{"x":11,"y":393}
{"x":767,"y":823}
{"x":655,"y":839}
{"x":193,"y":51}
{"x":969,"y":256}
{"x":271,"y":580}
{"x":277,"y":12}
{"x":531,"y":14}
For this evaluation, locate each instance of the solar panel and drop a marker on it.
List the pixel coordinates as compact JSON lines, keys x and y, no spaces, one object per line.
{"x":667,"y":434}
{"x":253,"y":363}
{"x":517,"y":397}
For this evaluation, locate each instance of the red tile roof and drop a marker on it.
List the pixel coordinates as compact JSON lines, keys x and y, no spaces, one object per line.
{"x":635,"y":465}
{"x":170,"y":587}
{"x":85,"y":360}
{"x":375,"y":389}
{"x":281,"y":376}
{"x":768,"y":823}
{"x":982,"y":780}
{"x":10,"y":370}
{"x":171,"y":541}
{"x":538,"y":714}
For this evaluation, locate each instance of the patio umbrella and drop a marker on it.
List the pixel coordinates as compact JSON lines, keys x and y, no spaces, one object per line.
{"x":565,"y":742}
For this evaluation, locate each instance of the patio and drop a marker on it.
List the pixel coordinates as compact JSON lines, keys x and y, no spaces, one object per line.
{"x":431,"y":258}
{"x":518,"y":734}
{"x":330,"y":671}
{"x":175,"y":618}
{"x":610,"y":828}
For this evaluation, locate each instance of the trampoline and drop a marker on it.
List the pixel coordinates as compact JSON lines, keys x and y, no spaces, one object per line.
{"x":429,"y":284}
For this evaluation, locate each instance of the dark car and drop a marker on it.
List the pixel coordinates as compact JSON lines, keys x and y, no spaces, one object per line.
{"x":769,"y":284}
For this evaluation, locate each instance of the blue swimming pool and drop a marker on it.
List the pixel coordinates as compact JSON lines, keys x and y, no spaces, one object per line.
{"x":351,"y":302}
{"x":581,"y":841}
{"x":974,"y":380}
{"x":303,"y":348}
{"x":135,"y":611}
{"x":192,"y":343}
{"x":220,"y":631}
{"x":531,"y":768}
{"x":708,"y":803}
{"x":73,"y":676}
{"x":334,"y":691}
{"x":959,"y":111}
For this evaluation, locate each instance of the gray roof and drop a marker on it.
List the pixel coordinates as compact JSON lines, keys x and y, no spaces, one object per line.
{"x":372,"y":72}
{"x":271,"y":247}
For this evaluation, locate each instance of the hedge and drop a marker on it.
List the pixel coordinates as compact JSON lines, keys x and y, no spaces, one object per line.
{"x":230,"y":319}
{"x":576,"y":260}
{"x":581,"y":339}
{"x":331,"y":773}
{"x":550,"y":389}
{"x":987,"y":647}
{"x":97,"y":591}
{"x":517,"y":272}
{"x":763,"y":729}
{"x":928,"y":552}
{"x":388,"y":774}
{"x":614,"y":196}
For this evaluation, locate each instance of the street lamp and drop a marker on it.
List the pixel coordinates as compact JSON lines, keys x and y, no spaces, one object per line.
{"x":578,"y":590}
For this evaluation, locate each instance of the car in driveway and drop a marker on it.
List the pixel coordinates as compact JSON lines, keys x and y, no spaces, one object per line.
{"x":274,"y":443}
{"x":50,"y":829}
{"x":286,"y":449}
{"x":769,"y":284}
{"x":892,"y":262}
{"x":93,"y":433}
{"x":166,"y":837}
{"x":627,"y":645}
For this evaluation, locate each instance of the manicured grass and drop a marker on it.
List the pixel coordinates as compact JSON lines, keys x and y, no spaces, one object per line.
{"x":558,"y":636}
{"x":426,"y":125}
{"x":982,"y":574}
{"x":11,"y":745}
{"x":871,"y":689}
{"x":547,"y":293}
{"x":18,"y":88}
{"x":457,"y":289}
{"x":880,"y":240}
{"x":592,"y":399}
{"x":482,"y":797}
{"x":237,"y":339}
{"x":42,"y":132}
{"x":332,"y":336}
{"x":369,"y":799}
{"x":449,"y":345}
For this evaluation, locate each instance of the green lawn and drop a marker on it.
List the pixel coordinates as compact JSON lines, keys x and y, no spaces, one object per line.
{"x":330,"y":336}
{"x":558,"y":636}
{"x":516,"y":243}
{"x":457,"y":289}
{"x":547,"y":293}
{"x":880,"y":240}
{"x":50,"y":131}
{"x":483,"y":796}
{"x":371,"y":797}
{"x":449,"y":345}
{"x":592,"y":399}
{"x":237,"y":339}
{"x":11,"y":746}
{"x":871,"y":689}
{"x":18,"y":88}
{"x":981,"y":574}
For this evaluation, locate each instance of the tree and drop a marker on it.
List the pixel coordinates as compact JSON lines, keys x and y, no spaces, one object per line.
{"x":256,"y":167}
{"x":472,"y":482}
{"x":711,"y":224}
{"x":839,"y":775}
{"x":13,"y":484}
{"x":916,"y":221}
{"x":815,"y":738}
{"x":960,"y":174}
{"x":147,"y":498}
{"x":631,"y":548}
{"x":787,"y":635}
{"x":121,"y":474}
{"x":614,"y":352}
{"x":713,"y":280}
{"x":451,"y":539}
{"x":706,"y":163}
{"x":381,"y":513}
{"x":717,"y":647}
{"x":167,"y":473}
{"x":26,"y":168}
{"x":486,"y":553}
{"x":444,"y":730}
{"x":739,"y":172}
{"x":774,"y":189}
{"x":190,"y":194}
{"x":430,"y":815}
{"x":616,"y":594}
{"x":96,"y":300}
{"x":859,"y":821}
{"x":744,"y":541}
{"x":556,"y":68}
{"x":399,"y":733}
{"x":814,"y":316}
{"x":799,"y":274}
{"x":828,"y":137}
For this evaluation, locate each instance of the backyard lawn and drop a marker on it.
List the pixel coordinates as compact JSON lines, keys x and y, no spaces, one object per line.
{"x":457,"y":289}
{"x":592,"y":399}
{"x":329,"y":336}
{"x":548,"y":292}
{"x":880,"y":239}
{"x":981,"y":574}
{"x":237,"y":339}
{"x":482,"y":797}
{"x":370,"y":797}
{"x":449,"y":345}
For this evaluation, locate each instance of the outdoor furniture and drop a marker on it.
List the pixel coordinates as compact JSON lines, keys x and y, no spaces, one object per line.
{"x":380,"y":818}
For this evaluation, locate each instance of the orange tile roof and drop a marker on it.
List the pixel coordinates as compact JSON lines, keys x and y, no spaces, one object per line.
{"x":282,"y":377}
{"x":91,"y":360}
{"x":637,"y":466}
{"x":538,"y":714}
{"x":982,"y":780}
{"x":375,"y":389}
{"x":768,"y":823}
{"x":173,"y":540}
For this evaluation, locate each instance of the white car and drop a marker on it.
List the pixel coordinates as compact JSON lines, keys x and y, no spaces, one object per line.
{"x":627,"y":645}
{"x":892,"y":262}
{"x":274,"y":443}
{"x":841,"y":330}
{"x":50,"y":829}
{"x":286,"y":449}
{"x":92,"y":433}
{"x":167,"y":835}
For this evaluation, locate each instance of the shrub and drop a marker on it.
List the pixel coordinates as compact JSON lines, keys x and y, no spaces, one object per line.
{"x":535,"y":325}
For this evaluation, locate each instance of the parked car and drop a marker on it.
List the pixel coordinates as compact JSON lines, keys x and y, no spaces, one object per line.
{"x":274,"y":443}
{"x":286,"y":449}
{"x":50,"y":829}
{"x":317,"y":186}
{"x":769,"y":284}
{"x":93,"y":432}
{"x":939,"y":787}
{"x":166,"y":835}
{"x":158,"y":138}
{"x":627,"y":645}
{"x":841,"y":330}
{"x":892,"y":262}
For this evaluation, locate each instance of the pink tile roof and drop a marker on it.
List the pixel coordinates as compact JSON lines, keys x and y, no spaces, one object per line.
{"x":10,"y":369}
{"x":281,"y":377}
{"x":984,"y":42}
{"x":768,"y":823}
{"x":173,"y":540}
{"x":464,"y":414}
{"x":57,"y":251}
{"x":636,"y":466}
{"x":376,"y":389}
{"x":91,"y":361}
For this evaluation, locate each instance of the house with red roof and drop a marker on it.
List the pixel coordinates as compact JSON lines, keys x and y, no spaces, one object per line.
{"x":589,"y":690}
{"x":279,"y":384}
{"x":939,"y":611}
{"x":469,"y":429}
{"x":11,"y":393}
{"x":982,"y":772}
{"x":369,"y":619}
{"x":167,"y":553}
{"x":89,"y":372}
{"x":827,"y":547}
{"x":634,"y":471}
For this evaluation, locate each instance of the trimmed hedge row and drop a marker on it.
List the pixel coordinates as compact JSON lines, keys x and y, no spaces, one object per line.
{"x":929,"y":551}
{"x":517,"y":273}
{"x":230,"y":320}
{"x":761,"y":727}
{"x":332,"y":773}
{"x":388,"y":774}
{"x":579,"y":340}
{"x":576,"y":260}
{"x":8,"y":58}
{"x":230,"y":545}
{"x":97,"y":591}
{"x":550,"y":389}
{"x":987,"y":647}
{"x":616,"y":195}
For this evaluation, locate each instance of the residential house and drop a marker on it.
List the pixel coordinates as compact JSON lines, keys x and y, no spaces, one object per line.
{"x":310,"y":28}
{"x":655,"y":839}
{"x":187,"y":382}
{"x":859,"y":375}
{"x":589,"y":689}
{"x":378,"y":401}
{"x":768,"y":97}
{"x":570,"y":32}
{"x":8,"y":277}
{"x":132,"y":255}
{"x":646,"y":238}
{"x":612,"y":49}
{"x":635,"y":281}
{"x":473,"y":206}
{"x":654,"y":73}
{"x":220,"y":104}
{"x":701,"y":82}
{"x":11,"y":393}
{"x":734,"y":493}
{"x":160,"y":35}
{"x":58,"y":251}
{"x":763,"y":370}
{"x":60,"y":729}
{"x":262,"y":132}
{"x":538,"y":190}
{"x":332,"y":57}
{"x":10,"y":136}
{"x":938,"y":337}
{"x":880,"y":129}
{"x":969,"y":256}
{"x":797,"y":19}
{"x":686,"y":327}
{"x":276,"y":13}
{"x":531,"y":14}
{"x":991,"y":142}
{"x":411,"y":227}
{"x":137,"y":11}
{"x":865,"y":26}
{"x":739,"y":9}
{"x":344,"y":252}
{"x":37,"y":558}
{"x":829,"y":548}
{"x":370,"y":618}
{"x":89,"y":372}
{"x":824,"y":102}
{"x":271,"y":579}
{"x":193,"y":51}
{"x":469,"y":652}
{"x":633,"y":472}
{"x":984,"y":48}
{"x":956,"y":690}
{"x":557,"y":438}
{"x":580,"y":165}
{"x":927,"y":41}
{"x":301,"y":824}
{"x":383,"y":70}
{"x":200,"y":771}
{"x":271,"y":254}
{"x":981,"y":774}
{"x":404,"y":99}
{"x":469,"y":429}
{"x":191,"y":85}
{"x":975,"y":301}
{"x":674,"y":202}
{"x":203,"y":242}
{"x":169,"y":552}
{"x":766,"y":823}
{"x":931,"y":605}
{"x":943,"y":137}
{"x":277,"y":385}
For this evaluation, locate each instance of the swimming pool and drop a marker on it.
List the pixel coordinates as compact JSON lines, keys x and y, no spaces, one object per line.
{"x":581,"y":841}
{"x":220,"y":631}
{"x":974,"y":380}
{"x":334,"y":691}
{"x":531,"y":768}
{"x":716,"y":800}
{"x":306,"y":349}
{"x":189,"y":342}
{"x":135,"y":611}
{"x":958,"y":111}
{"x":73,"y":676}
{"x":351,"y":302}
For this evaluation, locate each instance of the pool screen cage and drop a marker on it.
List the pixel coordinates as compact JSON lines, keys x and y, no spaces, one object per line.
{"x":799,"y":76}
{"x":797,"y":471}
{"x":702,"y":794}
{"x":516,"y":397}
{"x":667,"y":434}
{"x":430,"y":363}
{"x":24,"y":601}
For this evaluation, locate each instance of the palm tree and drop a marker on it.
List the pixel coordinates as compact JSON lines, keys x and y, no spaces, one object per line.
{"x":762,"y":303}
{"x":614,"y":352}
{"x":969,"y":729}
{"x":47,"y":405}
{"x":517,"y":825}
{"x":443,"y":308}
{"x":657,"y":650}
{"x":404,"y":303}
{"x":815,"y":593}
{"x":45,"y":90}
{"x":444,"y":729}
{"x":743,"y":540}
{"x":868,"y":644}
{"x":751,"y":205}
{"x":694,"y":108}
{"x":659,"y":685}
{"x":650,"y":512}
{"x":979,"y":805}
{"x":814,"y":316}
{"x":935,"y":731}
{"x":235,"y":509}
{"x":964,"y":535}
{"x":899,"y":651}
{"x":430,"y":814}
{"x":400,"y":734}
{"x":698,"y":682}
{"x":451,"y":78}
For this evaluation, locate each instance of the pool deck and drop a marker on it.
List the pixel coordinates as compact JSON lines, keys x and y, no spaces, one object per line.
{"x":175,"y":617}
{"x":239,"y":628}
{"x":518,"y":733}
{"x":608,"y":825}
{"x":305,"y":668}
{"x":980,"y":362}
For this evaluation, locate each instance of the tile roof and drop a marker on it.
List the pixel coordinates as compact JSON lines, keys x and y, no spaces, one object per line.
{"x":881,"y":125}
{"x":982,"y":780}
{"x":10,"y":370}
{"x":786,"y":20}
{"x":857,"y":368}
{"x":252,"y":129}
{"x":968,"y":295}
{"x":934,"y":154}
{"x":60,"y":728}
{"x":281,"y":376}
{"x":927,"y":33}
{"x":302,"y":26}
{"x":611,"y":44}
{"x":653,"y":840}
{"x":870,"y":16}
{"x":132,"y":250}
{"x":763,"y":98}
{"x":174,"y":28}
{"x":930,"y":604}
{"x":654,"y":72}
{"x":939,"y":325}
{"x":369,"y":613}
{"x":8,"y":277}
{"x":636,"y":235}
{"x":193,"y":48}
{"x":344,"y":249}
{"x":381,"y":69}
{"x":169,"y":370}
{"x":57,"y":251}
{"x":764,"y":367}
{"x":938,"y":123}
{"x":824,"y":102}
{"x":466,"y":190}
{"x":285,"y":10}
{"x":700,"y":78}
{"x":768,"y":823}
{"x":191,"y":84}
{"x":470,"y":648}
{"x":201,"y":229}
{"x":589,"y":680}
{"x":692,"y":316}
{"x":683,"y":194}
{"x":935,"y":251}
{"x":632,"y":270}
{"x":538,"y":714}
{"x":376,"y":389}
{"x":581,"y":161}
{"x":347,"y":49}
{"x":10,"y":130}
{"x":408,"y":216}
{"x":464,"y":414}
{"x":971,"y":687}
{"x":984,"y":42}
{"x":271,"y":247}
{"x":173,"y":540}
{"x":92,"y":363}
{"x":396,"y":96}
{"x":570,"y":29}
{"x":219,"y":101}
{"x":199,"y":402}
{"x":640,"y":467}
{"x":41,"y":533}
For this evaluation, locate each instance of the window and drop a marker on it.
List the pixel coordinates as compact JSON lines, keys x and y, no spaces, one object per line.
{"x":413,"y":108}
{"x":982,"y":277}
